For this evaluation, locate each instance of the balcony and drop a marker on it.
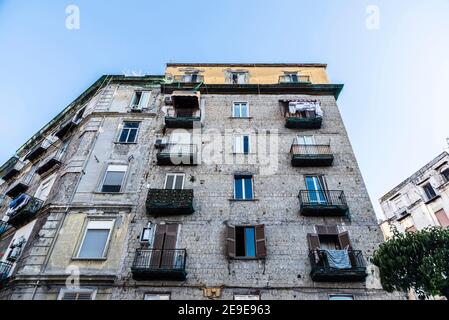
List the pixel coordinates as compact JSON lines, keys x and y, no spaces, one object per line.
{"x":176,"y":154}
{"x":311,"y":155}
{"x":188,"y":78}
{"x":55,"y":159}
{"x":66,"y":127}
{"x":323,"y":203}
{"x":11,"y":168}
{"x":25,"y":211}
{"x":294,"y":79}
{"x":402,"y":213}
{"x":159,"y":264}
{"x":182,"y":118}
{"x":185,"y":99}
{"x":38,"y":150}
{"x":322,"y":271}
{"x":19,"y":186}
{"x":5,"y":270}
{"x":169,"y":202}
{"x":297,"y":121}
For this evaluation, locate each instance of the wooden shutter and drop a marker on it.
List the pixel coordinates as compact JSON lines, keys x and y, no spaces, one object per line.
{"x":230,"y":241}
{"x":171,"y":236}
{"x":159,"y":236}
{"x":261,"y":250}
{"x":327,"y":230}
{"x":442,"y":218}
{"x":72,"y":295}
{"x":345,"y":242}
{"x":314,"y":241}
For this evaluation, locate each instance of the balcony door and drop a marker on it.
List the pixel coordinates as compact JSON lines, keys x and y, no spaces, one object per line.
{"x":316,"y":189}
{"x":164,"y":255}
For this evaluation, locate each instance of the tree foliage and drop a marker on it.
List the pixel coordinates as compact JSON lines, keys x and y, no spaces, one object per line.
{"x":416,"y":261}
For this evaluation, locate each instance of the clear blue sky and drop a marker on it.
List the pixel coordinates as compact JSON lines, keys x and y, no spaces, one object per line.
{"x":394,"y":104}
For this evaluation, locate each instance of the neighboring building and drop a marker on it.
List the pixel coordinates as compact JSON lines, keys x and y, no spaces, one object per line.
{"x":225,"y":181}
{"x":420,"y":201}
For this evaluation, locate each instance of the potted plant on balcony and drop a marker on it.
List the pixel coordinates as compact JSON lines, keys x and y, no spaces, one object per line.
{"x":416,"y":261}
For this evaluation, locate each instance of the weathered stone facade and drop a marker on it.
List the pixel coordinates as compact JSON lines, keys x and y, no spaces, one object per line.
{"x":51,"y":257}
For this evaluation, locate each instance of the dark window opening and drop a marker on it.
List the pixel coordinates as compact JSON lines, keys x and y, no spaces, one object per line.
{"x":245,"y":242}
{"x":445,"y":174}
{"x":430,"y":192}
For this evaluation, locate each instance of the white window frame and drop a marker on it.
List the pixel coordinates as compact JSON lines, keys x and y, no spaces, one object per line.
{"x":175,"y":175}
{"x":165,"y":295}
{"x":122,"y":127}
{"x":243,"y":189}
{"x":306,"y":140}
{"x":50,"y":180}
{"x":239,"y":143}
{"x":240,"y":103}
{"x":63,"y":291}
{"x":145,"y":97}
{"x":116,"y":167}
{"x":96,"y":224}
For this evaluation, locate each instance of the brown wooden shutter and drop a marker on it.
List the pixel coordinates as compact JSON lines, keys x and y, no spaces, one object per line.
{"x":230,"y":241}
{"x":261,"y":249}
{"x":442,"y":218}
{"x":314,"y":241}
{"x":159,"y":236}
{"x":327,"y":230}
{"x":345,"y":242}
{"x":171,"y":236}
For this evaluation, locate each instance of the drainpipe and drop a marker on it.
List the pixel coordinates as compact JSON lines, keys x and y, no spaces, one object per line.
{"x":47,"y":258}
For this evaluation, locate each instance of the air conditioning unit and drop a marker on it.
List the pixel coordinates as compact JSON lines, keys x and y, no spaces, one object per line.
{"x":160,"y":143}
{"x":136,"y":108}
{"x":168,"y":100}
{"x":147,"y":234}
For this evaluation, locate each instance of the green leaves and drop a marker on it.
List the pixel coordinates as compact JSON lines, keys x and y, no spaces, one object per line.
{"x":418,"y":261}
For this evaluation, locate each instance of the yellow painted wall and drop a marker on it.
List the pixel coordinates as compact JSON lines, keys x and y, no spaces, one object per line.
{"x":69,"y":239}
{"x":257,"y":75}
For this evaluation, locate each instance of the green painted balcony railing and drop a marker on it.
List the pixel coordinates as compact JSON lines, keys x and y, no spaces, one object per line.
{"x":323,"y":272}
{"x":311,"y":155}
{"x":169,"y":202}
{"x":322,"y":203}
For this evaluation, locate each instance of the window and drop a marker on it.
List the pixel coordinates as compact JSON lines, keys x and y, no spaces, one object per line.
{"x":241,"y":144}
{"x":95,"y":240}
{"x":246,"y":297}
{"x":442,"y":218}
{"x":174,"y":181}
{"x":243,"y":187}
{"x":113,"y":179}
{"x":129,"y":132}
{"x":316,"y":189}
{"x":341,"y":297}
{"x":191,"y":77}
{"x":44,"y":188}
{"x":430,"y":192}
{"x":240,"y":110}
{"x":328,"y":238}
{"x":78,"y":294}
{"x":152,"y":296}
{"x":445,"y":174}
{"x":246,"y":242}
{"x":306,"y":140}
{"x":140,"y":100}
{"x":291,"y":77}
{"x":238,"y":77}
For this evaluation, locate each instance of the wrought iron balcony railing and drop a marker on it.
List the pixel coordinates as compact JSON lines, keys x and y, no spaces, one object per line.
{"x":169,"y":202}
{"x":159,"y":264}
{"x":323,"y":271}
{"x":306,"y":120}
{"x":20,"y":185}
{"x":25,"y":212}
{"x":5,"y":270}
{"x":294,"y":79}
{"x":50,"y":162}
{"x":177,"y":154}
{"x":311,"y":155}
{"x":323,"y":203}
{"x":39,"y":149}
{"x":10,"y":168}
{"x":182,"y":118}
{"x":188,"y":78}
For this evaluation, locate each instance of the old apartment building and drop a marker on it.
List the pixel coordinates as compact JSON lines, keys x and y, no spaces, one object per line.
{"x":214,"y":181}
{"x":420,"y":201}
